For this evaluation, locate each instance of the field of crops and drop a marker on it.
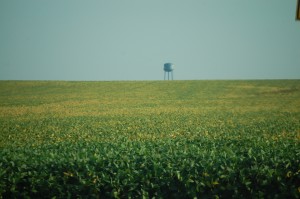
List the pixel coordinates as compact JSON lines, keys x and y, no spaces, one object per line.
{"x":150,"y":139}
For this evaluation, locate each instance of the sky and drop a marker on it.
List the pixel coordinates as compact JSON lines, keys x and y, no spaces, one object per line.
{"x":106,"y":40}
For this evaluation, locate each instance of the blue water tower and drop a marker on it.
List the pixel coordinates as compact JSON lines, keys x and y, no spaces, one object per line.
{"x":168,"y":68}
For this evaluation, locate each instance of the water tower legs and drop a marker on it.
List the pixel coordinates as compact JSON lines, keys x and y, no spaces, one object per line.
{"x":168,"y":75}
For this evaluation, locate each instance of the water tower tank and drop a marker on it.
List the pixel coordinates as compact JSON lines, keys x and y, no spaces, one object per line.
{"x":168,"y":67}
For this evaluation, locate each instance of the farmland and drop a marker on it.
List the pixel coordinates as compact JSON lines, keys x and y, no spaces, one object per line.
{"x":150,"y":139}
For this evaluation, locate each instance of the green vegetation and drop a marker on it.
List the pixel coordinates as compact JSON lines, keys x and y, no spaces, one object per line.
{"x":150,"y":139}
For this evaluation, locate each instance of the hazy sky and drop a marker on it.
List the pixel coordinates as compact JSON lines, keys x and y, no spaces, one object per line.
{"x":132,"y":39}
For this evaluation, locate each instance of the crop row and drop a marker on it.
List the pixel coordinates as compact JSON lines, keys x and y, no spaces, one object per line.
{"x":180,"y":168}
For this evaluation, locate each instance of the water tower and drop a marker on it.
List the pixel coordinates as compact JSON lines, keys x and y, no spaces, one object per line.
{"x":168,"y":68}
